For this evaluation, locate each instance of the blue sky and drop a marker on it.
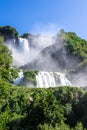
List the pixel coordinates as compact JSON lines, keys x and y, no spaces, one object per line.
{"x":45,"y":15}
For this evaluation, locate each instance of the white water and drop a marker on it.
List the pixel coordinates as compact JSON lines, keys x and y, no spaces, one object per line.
{"x":23,"y":45}
{"x":47,"y":79}
{"x":51,"y":79}
{"x":19,"y":79}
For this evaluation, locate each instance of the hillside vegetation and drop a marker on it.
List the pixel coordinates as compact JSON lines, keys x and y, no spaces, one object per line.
{"x":60,"y":108}
{"x":8,"y":32}
{"x":67,"y":53}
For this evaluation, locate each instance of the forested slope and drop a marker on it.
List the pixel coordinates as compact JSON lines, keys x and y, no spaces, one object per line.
{"x":60,"y":108}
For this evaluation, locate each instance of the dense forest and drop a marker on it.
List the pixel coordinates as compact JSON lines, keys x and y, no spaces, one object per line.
{"x":22,"y":108}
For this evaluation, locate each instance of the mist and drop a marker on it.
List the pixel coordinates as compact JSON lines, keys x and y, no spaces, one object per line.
{"x":27,"y":49}
{"x":25,"y":52}
{"x":46,"y":52}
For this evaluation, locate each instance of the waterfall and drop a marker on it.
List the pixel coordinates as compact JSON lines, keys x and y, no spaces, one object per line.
{"x":21,"y":52}
{"x":51,"y":79}
{"x":23,"y":45}
{"x":20,"y":78}
{"x":46,"y":79}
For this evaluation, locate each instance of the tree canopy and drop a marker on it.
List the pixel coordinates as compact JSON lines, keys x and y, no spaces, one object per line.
{"x":5,"y":61}
{"x":8,"y":32}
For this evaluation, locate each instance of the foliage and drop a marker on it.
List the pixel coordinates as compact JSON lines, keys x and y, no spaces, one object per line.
{"x":5,"y":61}
{"x":81,"y":109}
{"x":14,"y":73}
{"x":13,"y":103}
{"x":8,"y":32}
{"x":21,"y":108}
{"x":40,"y":109}
{"x":62,"y":126}
{"x":75,"y":45}
{"x":26,"y":35}
{"x":4,"y":119}
{"x":68,"y":94}
{"x":30,"y":77}
{"x":49,"y":109}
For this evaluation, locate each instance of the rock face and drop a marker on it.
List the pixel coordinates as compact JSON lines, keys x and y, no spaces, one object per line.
{"x":53,"y":58}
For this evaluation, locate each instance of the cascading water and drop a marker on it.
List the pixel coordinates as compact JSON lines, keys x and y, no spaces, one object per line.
{"x":20,"y":51}
{"x":23,"y":45}
{"x":51,"y":79}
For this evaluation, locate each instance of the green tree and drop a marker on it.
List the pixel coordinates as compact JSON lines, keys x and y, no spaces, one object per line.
{"x":8,"y":32}
{"x":75,"y":45}
{"x":5,"y":61}
{"x":44,"y":108}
